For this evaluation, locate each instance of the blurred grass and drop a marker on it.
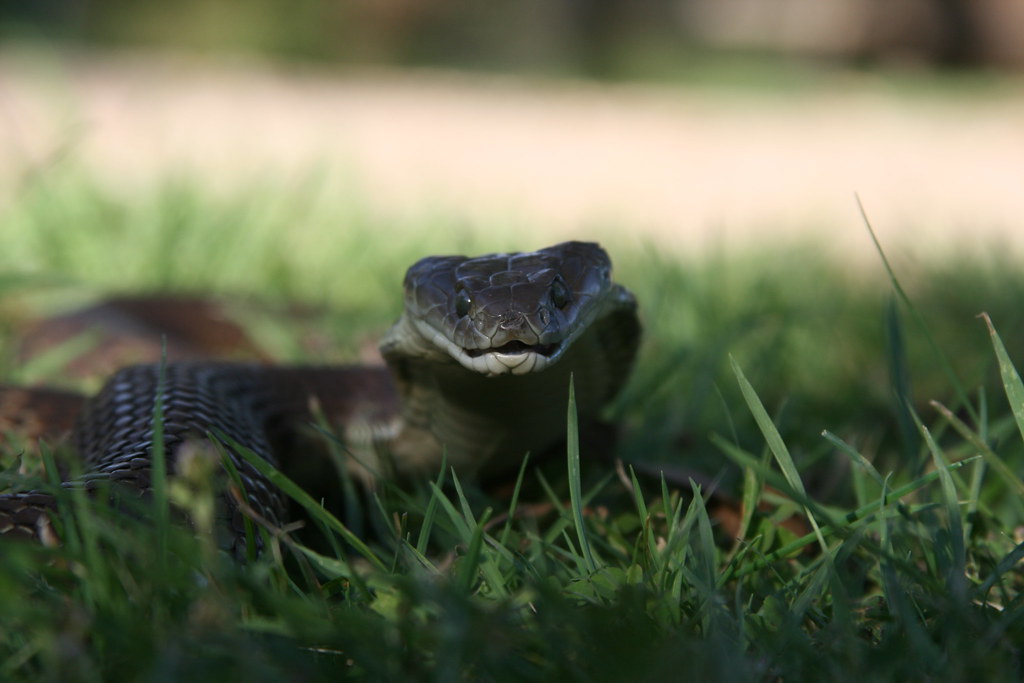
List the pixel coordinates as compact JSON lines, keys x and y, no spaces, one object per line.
{"x":926,"y":587}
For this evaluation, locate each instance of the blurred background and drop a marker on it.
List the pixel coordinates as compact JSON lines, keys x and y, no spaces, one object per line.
{"x":692,"y":123}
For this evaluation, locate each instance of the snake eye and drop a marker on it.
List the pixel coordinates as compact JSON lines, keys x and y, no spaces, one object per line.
{"x":559,"y":294}
{"x":463,"y":302}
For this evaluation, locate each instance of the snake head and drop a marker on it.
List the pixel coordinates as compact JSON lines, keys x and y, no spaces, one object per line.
{"x":501,"y":314}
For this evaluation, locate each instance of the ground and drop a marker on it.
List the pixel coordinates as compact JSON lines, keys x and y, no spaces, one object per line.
{"x":692,"y":167}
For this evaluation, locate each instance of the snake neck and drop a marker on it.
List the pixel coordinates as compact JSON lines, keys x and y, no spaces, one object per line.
{"x":485,"y":425}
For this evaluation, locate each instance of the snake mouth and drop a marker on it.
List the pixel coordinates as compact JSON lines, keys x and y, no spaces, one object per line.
{"x":513,"y":358}
{"x":515,"y":348}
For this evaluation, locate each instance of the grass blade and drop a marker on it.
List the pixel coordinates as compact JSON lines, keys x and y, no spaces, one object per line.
{"x":991,"y":458}
{"x":158,"y":472}
{"x":514,"y":502}
{"x":899,"y":379}
{"x":1012,"y":384}
{"x":572,"y":438}
{"x":776,"y":445}
{"x":956,"y":574}
{"x":251,"y":546}
{"x":854,"y":455}
{"x":753,"y":486}
{"x":472,"y":534}
{"x":431,"y":511}
{"x":470,"y":564}
{"x":705,"y":541}
{"x":295,"y":492}
{"x":944,"y":363}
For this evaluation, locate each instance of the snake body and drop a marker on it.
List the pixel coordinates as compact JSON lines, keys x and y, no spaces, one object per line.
{"x":480,"y":358}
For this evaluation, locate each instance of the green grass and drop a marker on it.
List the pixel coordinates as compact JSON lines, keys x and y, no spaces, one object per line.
{"x":889,"y":415}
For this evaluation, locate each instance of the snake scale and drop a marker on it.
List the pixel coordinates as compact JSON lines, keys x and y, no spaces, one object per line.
{"x":480,"y":361}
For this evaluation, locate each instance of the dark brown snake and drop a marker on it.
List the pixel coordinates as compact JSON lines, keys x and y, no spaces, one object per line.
{"x":480,"y":359}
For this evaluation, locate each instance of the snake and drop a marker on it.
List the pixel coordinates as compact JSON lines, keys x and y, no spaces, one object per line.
{"x":480,"y":363}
